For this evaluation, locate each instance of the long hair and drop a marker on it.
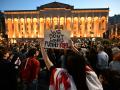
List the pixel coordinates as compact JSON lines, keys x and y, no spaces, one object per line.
{"x":75,"y":64}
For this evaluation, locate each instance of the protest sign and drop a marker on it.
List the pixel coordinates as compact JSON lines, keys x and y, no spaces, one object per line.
{"x":58,"y":39}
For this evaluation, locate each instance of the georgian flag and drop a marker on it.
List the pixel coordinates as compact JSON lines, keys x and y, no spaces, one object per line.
{"x":61,"y":80}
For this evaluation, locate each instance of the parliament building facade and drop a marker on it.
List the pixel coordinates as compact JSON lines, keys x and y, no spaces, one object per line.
{"x":52,"y":16}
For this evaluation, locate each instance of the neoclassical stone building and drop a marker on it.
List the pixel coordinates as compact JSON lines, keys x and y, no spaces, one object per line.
{"x":90,"y":22}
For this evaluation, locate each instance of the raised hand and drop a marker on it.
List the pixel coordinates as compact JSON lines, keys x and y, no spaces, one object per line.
{"x":45,"y":56}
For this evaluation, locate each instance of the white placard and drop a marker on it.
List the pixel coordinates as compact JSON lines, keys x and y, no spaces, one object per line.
{"x":58,"y":39}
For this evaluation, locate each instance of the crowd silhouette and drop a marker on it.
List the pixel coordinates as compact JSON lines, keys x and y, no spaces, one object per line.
{"x":86,"y":65}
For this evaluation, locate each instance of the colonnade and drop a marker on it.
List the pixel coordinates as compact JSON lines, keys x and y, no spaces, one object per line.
{"x":34,"y":27}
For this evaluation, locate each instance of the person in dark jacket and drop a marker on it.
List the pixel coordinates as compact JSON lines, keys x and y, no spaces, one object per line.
{"x":8,"y":79}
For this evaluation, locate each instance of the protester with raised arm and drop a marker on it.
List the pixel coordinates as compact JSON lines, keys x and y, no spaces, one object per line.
{"x":75,"y":76}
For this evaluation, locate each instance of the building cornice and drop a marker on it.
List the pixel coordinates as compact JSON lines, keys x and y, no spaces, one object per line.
{"x":92,"y":10}
{"x":22,"y":12}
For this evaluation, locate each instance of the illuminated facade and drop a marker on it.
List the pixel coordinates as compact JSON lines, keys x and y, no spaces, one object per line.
{"x":113,"y":27}
{"x":55,"y":15}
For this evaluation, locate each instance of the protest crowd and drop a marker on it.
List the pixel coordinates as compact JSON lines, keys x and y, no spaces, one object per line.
{"x":84,"y":65}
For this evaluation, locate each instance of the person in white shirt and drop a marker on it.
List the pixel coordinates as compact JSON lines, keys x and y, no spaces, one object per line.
{"x":115,"y":63}
{"x":102,"y":59}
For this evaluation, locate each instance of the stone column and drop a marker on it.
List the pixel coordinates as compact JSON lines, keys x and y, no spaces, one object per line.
{"x":18,"y":28}
{"x":31,"y":31}
{"x":13,"y":29}
{"x":92,"y":26}
{"x":116,"y":30}
{"x":65,"y":20}
{"x":86,"y":23}
{"x":72,"y":25}
{"x":99,"y":26}
{"x":6,"y":26}
{"x":83,"y":30}
{"x":51,"y":23}
{"x":79,"y":26}
{"x":58,"y":22}
{"x":38,"y":27}
{"x":25,"y":27}
{"x":44,"y":23}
